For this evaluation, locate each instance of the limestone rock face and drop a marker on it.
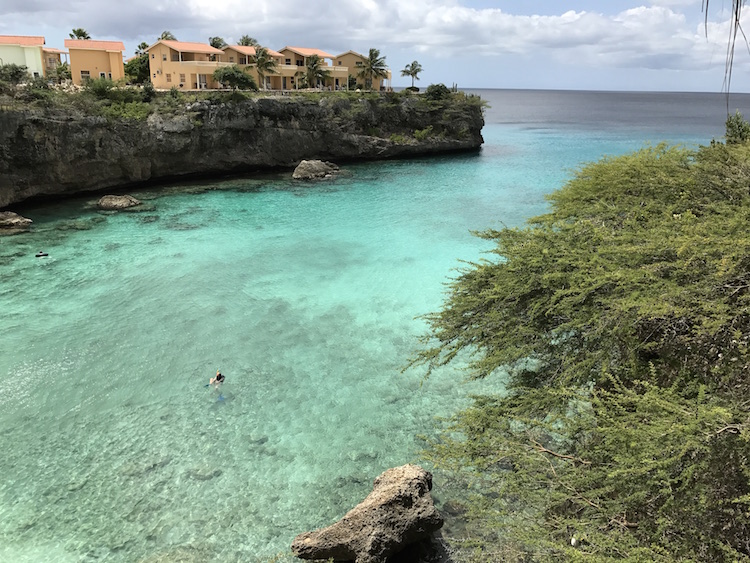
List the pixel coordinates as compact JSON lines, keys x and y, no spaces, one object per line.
{"x":10,"y":220}
{"x":398,"y":512}
{"x":58,"y":152}
{"x":314,"y":169}
{"x":115,"y":202}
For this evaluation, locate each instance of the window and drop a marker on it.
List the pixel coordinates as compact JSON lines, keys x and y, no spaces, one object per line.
{"x":153,"y":56}
{"x":102,"y":75}
{"x":358,"y":63}
{"x":300,"y":62}
{"x":109,"y":75}
{"x":339,"y":63}
{"x":169,"y":77}
{"x":231,"y":59}
{"x":288,"y":62}
{"x":85,"y":75}
{"x":36,"y":75}
{"x":182,"y":78}
{"x":164,"y":56}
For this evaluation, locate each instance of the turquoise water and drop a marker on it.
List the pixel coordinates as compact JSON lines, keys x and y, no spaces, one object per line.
{"x":305,"y":296}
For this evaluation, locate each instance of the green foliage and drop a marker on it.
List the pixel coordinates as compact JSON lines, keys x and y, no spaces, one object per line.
{"x":99,"y":87}
{"x":133,"y":111}
{"x":423,"y":134}
{"x":265,"y":64}
{"x":737,"y":129}
{"x":248,"y":41}
{"x":437,"y":92}
{"x":315,"y":72}
{"x":167,"y":36}
{"x":148,"y":91}
{"x":235,"y":77}
{"x":79,"y":33}
{"x":217,"y":42}
{"x":373,"y":67}
{"x":621,"y":319}
{"x":412,"y":70}
{"x":137,"y":69}
{"x":399,"y":139}
{"x":13,"y":73}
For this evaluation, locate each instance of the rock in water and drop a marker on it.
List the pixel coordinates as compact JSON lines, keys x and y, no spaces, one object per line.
{"x":10,"y":220}
{"x":312,"y":169}
{"x":114,"y":202}
{"x":399,"y":511}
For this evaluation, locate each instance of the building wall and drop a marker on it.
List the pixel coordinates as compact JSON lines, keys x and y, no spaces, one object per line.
{"x":30,"y":57}
{"x":168,"y":71}
{"x":355,"y":63}
{"x":336,"y":80}
{"x":97,"y":63}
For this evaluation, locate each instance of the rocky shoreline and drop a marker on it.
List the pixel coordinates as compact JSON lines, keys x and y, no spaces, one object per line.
{"x":57,"y":152}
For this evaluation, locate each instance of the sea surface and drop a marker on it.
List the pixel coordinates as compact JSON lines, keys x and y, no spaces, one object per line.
{"x":306,"y":296}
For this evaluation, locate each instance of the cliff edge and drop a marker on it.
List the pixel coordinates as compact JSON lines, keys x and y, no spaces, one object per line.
{"x":55,"y":151}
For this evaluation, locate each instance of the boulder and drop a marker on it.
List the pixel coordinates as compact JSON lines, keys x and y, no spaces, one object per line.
{"x":312,"y":169}
{"x":10,"y":220}
{"x":398,"y":512}
{"x":115,"y":202}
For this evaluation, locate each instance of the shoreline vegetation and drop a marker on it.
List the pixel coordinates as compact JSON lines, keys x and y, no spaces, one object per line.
{"x":104,"y":136}
{"x":622,"y":318}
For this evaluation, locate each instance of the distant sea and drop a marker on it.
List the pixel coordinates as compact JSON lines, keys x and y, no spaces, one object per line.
{"x":306,"y":296}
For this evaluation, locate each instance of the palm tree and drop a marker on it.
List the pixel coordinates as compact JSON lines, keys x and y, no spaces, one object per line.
{"x":79,"y":33}
{"x":141,"y":49}
{"x":167,"y":36}
{"x":412,"y":70}
{"x":247,"y":41}
{"x":373,"y":68}
{"x":736,"y":27}
{"x":217,"y":42}
{"x":314,"y":71}
{"x":264,"y":64}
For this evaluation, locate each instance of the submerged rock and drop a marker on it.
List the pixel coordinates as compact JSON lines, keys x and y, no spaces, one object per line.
{"x":115,"y":202}
{"x":397,"y":513}
{"x":314,"y":169}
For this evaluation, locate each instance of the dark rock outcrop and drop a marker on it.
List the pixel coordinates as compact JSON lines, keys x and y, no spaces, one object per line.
{"x":397,"y":513}
{"x":115,"y":202}
{"x":314,"y":169}
{"x":50,"y":152}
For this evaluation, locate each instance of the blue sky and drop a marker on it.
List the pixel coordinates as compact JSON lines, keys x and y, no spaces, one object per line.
{"x":548,"y":44}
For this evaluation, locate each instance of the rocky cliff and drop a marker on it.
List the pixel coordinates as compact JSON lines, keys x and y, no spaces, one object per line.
{"x":57,"y":151}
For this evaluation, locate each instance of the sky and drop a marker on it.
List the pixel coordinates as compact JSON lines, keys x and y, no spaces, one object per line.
{"x":642,"y":45}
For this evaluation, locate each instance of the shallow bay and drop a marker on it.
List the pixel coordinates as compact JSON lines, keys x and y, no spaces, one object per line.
{"x":306,"y":296}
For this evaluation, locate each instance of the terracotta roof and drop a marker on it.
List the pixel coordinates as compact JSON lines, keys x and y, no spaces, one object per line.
{"x":250,"y":50}
{"x":189,"y":47}
{"x":25,"y":40}
{"x":360,"y":55}
{"x":94,"y":45}
{"x":53,"y":50}
{"x":305,"y":52}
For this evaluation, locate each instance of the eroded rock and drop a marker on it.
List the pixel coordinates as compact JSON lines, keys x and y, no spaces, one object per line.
{"x":398,"y":512}
{"x":314,"y":169}
{"x":14,"y":221}
{"x":115,"y":202}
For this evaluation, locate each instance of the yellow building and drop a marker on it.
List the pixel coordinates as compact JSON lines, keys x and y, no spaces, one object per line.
{"x":95,"y":59}
{"x":355,"y":62}
{"x":295,"y":63}
{"x":244,"y":55}
{"x":185,"y":65}
{"x":51,"y":59}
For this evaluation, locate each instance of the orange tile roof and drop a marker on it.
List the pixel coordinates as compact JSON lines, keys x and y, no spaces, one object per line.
{"x":25,"y":40}
{"x":360,"y":55}
{"x":53,"y":50}
{"x":190,"y":47}
{"x":250,"y":50}
{"x":95,"y":45}
{"x":305,"y":52}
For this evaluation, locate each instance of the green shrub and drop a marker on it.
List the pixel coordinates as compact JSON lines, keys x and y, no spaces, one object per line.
{"x":14,"y":73}
{"x":148,"y":91}
{"x":737,"y":129}
{"x":132,"y":111}
{"x":423,"y":134}
{"x":98,"y":87}
{"x":437,"y":92}
{"x":398,"y":139}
